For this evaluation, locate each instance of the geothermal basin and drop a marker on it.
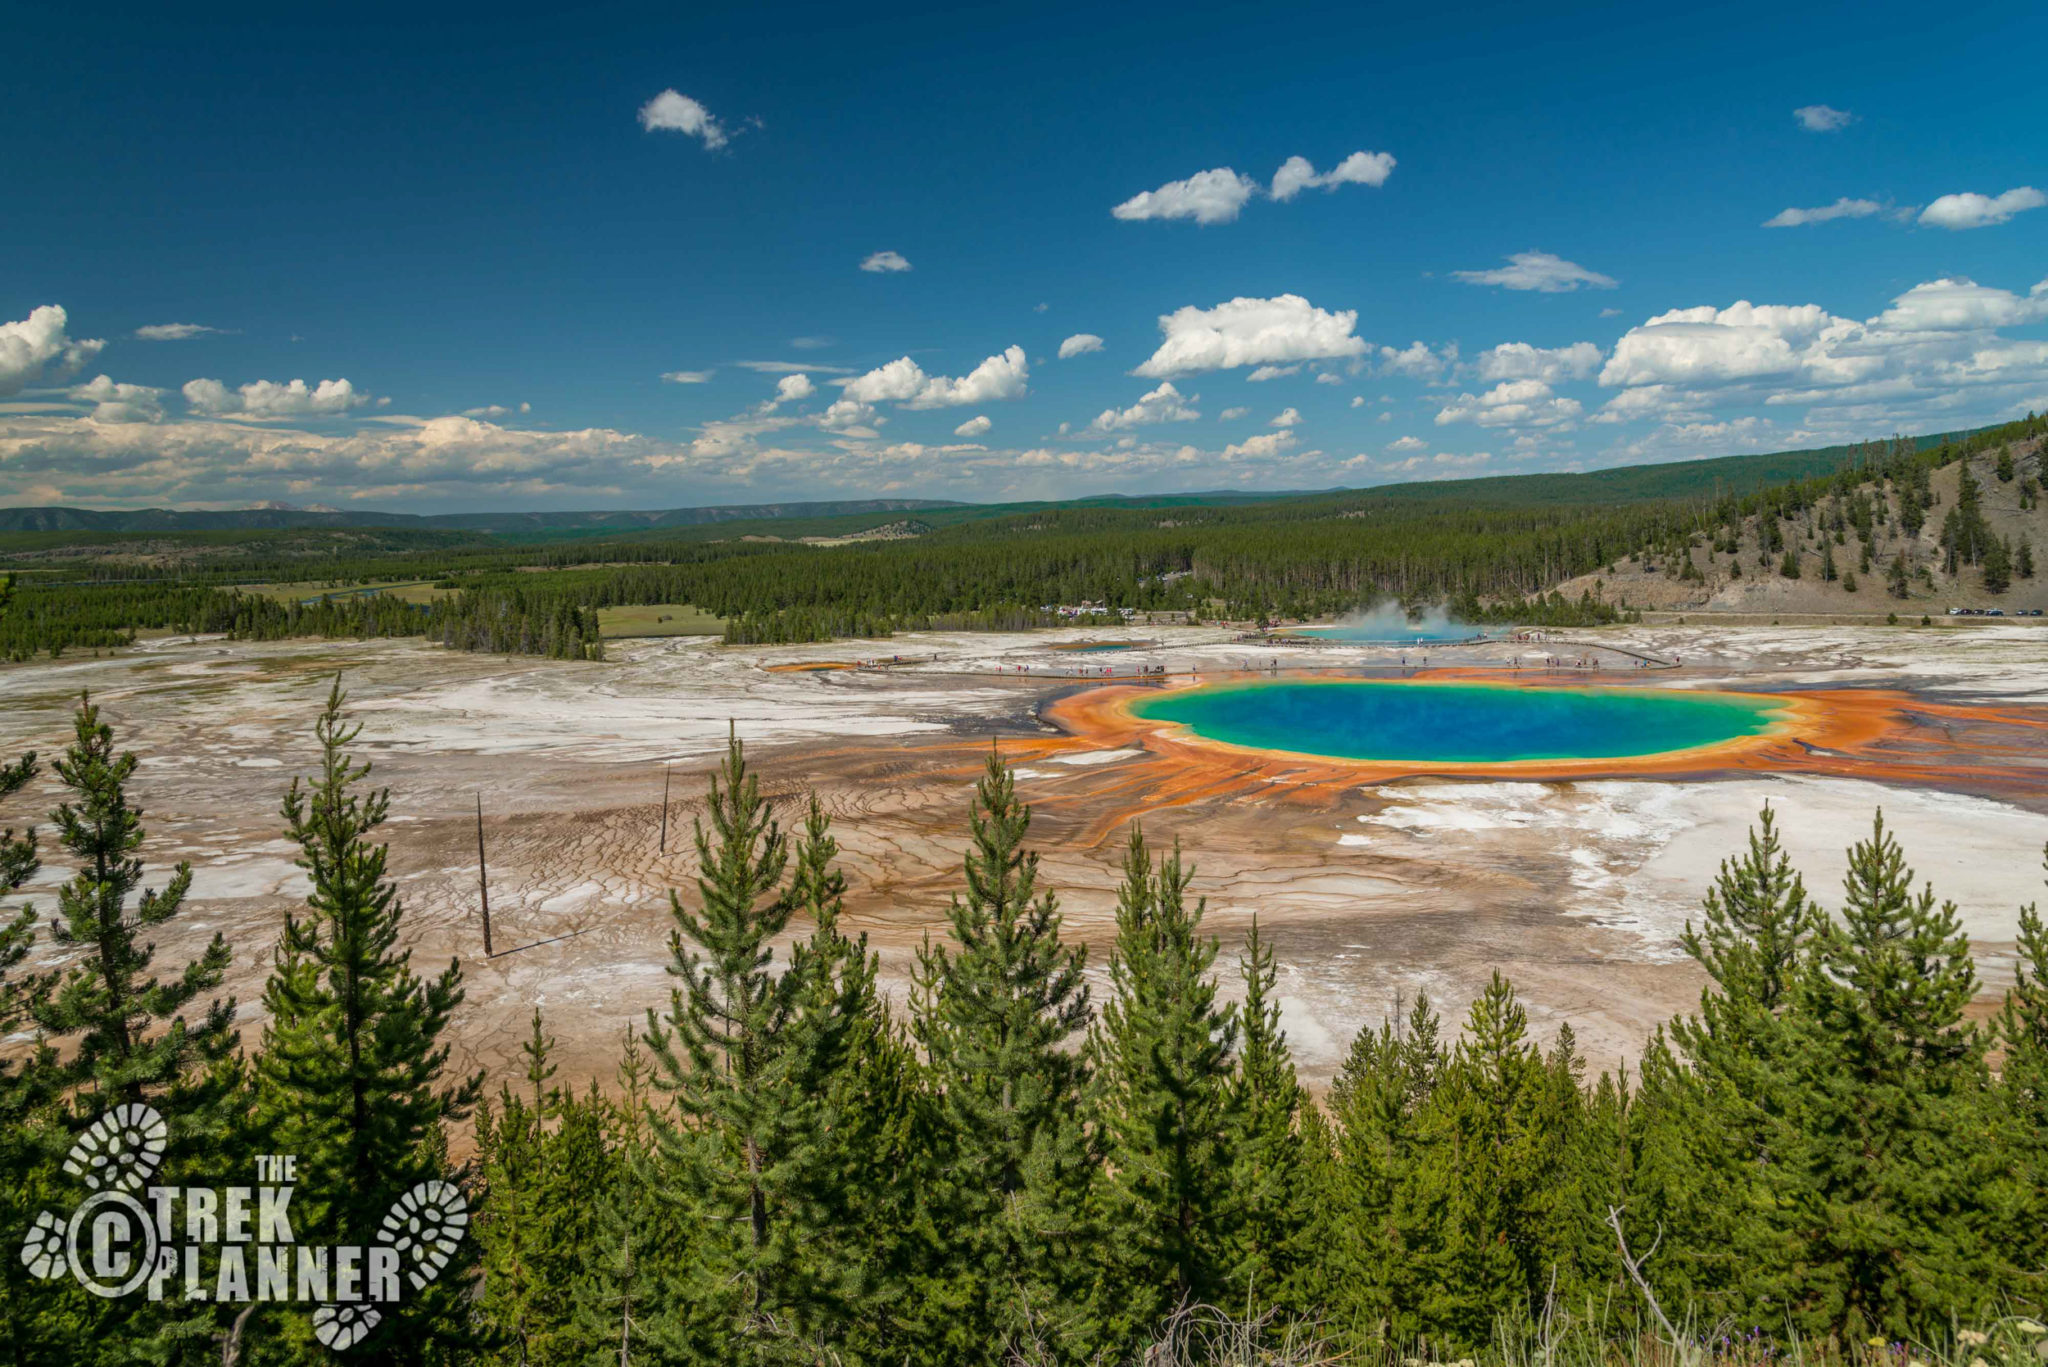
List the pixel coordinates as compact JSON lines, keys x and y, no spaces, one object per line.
{"x":1374,"y":879}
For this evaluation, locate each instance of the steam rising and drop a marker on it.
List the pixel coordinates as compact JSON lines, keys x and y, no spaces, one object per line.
{"x":1391,"y":624}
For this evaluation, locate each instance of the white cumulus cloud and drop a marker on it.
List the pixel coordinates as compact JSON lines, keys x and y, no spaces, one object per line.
{"x":1934,"y":357}
{"x":1417,"y":361}
{"x":1521,"y":361}
{"x":1954,"y":305}
{"x":904,"y":381}
{"x":688,"y":376}
{"x":1706,"y":345}
{"x":790,"y":389}
{"x":1360,"y":168}
{"x":1511,"y":403}
{"x":39,"y":347}
{"x":674,"y":112}
{"x":1232,"y":414}
{"x":1080,"y":344}
{"x":974,"y":426}
{"x":114,"y":402}
{"x":1981,"y":211}
{"x":1164,"y":404}
{"x":1539,"y":271}
{"x":1287,"y":417}
{"x":1245,"y":331}
{"x":1219,"y":194}
{"x":1827,"y":213}
{"x":844,"y":414}
{"x":1262,"y":447}
{"x":1213,"y":196}
{"x":884,"y":263}
{"x":1407,"y":444}
{"x":268,"y":399}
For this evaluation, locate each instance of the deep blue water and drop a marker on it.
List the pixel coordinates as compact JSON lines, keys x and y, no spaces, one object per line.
{"x":1457,"y":723}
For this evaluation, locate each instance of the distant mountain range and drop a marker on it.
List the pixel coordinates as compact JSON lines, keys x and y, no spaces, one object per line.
{"x":1621,"y":484}
{"x":276,"y":516}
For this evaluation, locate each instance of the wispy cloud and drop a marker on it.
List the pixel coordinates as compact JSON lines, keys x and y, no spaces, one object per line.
{"x":173,"y":332}
{"x":791,"y":368}
{"x":1539,"y":271}
{"x":1821,"y":118}
{"x":1826,"y":213}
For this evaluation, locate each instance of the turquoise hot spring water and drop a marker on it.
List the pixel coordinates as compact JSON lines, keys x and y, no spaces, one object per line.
{"x":1458,"y":723}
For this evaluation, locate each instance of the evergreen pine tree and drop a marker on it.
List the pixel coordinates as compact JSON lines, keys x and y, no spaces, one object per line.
{"x":1757,"y":926}
{"x":1377,"y":1104}
{"x":133,"y":1043}
{"x":1997,"y":565}
{"x":1161,"y":1099}
{"x":1275,"y":1211}
{"x":1484,"y":1211}
{"x":350,"y":1075}
{"x":725,"y":1163}
{"x":1010,"y":1172}
{"x":510,"y":1145}
{"x":28,"y":1087}
{"x":527,"y":1231}
{"x":1714,"y":1108}
{"x":1891,"y":1140}
{"x":2023,"y":1088}
{"x":858,"y":1072}
{"x":791,"y":1091}
{"x":615,"y":1317}
{"x":19,"y":862}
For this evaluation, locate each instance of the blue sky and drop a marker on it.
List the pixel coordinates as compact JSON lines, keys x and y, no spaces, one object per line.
{"x":447,"y":263}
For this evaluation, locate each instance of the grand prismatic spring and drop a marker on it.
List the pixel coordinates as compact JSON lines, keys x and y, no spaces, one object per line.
{"x":1459,"y":723}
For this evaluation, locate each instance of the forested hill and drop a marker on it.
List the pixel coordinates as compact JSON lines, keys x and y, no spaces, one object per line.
{"x":1494,"y":550}
{"x":1686,"y":479}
